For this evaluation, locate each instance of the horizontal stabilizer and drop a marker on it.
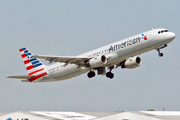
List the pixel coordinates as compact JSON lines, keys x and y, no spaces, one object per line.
{"x":22,"y":76}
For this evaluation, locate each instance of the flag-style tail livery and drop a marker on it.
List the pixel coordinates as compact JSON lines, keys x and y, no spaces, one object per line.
{"x":33,"y":65}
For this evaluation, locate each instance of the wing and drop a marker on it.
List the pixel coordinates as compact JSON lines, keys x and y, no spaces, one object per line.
{"x":78,"y":60}
{"x":21,"y":76}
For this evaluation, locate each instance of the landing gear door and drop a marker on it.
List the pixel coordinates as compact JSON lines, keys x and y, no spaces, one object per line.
{"x":150,"y":35}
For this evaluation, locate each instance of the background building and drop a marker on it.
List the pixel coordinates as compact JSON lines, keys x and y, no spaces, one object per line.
{"x":48,"y":115}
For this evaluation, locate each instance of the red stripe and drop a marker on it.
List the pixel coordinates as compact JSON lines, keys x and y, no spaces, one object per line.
{"x":23,"y":55}
{"x":29,"y":67}
{"x":37,"y":76}
{"x":27,"y":61}
{"x":36,"y":71}
{"x":20,"y":50}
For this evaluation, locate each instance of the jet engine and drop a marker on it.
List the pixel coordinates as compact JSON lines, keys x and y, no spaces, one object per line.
{"x":132,"y":63}
{"x":98,"y":61}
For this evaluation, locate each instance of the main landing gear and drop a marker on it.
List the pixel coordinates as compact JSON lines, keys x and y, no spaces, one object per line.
{"x":160,"y":54}
{"x":110,"y":74}
{"x":91,"y":74}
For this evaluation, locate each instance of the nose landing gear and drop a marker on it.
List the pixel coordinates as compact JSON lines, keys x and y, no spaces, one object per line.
{"x":160,"y":54}
{"x":161,"y":47}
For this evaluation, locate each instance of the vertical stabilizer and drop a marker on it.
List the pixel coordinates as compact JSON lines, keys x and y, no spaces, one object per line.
{"x":33,"y":65}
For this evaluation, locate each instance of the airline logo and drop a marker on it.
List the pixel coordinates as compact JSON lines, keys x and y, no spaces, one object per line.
{"x":145,"y":37}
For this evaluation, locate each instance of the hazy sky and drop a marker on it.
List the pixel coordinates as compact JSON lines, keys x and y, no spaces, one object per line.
{"x":64,"y":27}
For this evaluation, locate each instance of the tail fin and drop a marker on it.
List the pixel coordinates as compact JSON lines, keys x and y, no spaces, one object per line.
{"x":33,"y":65}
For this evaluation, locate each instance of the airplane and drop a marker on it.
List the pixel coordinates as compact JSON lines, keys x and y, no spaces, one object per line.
{"x":119,"y":54}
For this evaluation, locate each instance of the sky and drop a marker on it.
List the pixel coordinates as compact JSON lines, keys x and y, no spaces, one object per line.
{"x":70,"y":28}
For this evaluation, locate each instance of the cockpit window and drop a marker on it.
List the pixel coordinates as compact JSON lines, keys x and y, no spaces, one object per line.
{"x":163,"y":31}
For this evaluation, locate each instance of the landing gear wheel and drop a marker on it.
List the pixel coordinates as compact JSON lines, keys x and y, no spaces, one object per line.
{"x":91,"y":74}
{"x":109,"y":75}
{"x":160,"y":54}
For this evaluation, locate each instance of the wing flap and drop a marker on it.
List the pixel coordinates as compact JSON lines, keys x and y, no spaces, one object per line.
{"x":22,"y":76}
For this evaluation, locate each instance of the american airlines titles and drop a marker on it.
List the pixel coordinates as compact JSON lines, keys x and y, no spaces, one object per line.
{"x":124,"y":44}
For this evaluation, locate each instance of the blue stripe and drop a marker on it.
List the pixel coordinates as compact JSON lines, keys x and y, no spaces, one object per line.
{"x":26,"y":51}
{"x":35,"y":62}
{"x":23,"y":48}
{"x":32,"y":59}
{"x":37,"y":65}
{"x":28,"y":54}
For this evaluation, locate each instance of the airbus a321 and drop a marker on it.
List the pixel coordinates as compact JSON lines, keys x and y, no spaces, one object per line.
{"x":119,"y":54}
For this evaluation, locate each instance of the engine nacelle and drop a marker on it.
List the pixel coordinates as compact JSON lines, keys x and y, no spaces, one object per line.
{"x":98,"y":61}
{"x":132,"y":63}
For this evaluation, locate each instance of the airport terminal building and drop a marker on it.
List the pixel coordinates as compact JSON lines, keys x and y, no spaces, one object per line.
{"x":51,"y":115}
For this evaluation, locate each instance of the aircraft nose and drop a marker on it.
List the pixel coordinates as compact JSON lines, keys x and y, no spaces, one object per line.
{"x":171,"y":35}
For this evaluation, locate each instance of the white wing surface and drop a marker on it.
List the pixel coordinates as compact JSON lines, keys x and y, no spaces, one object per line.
{"x":78,"y":60}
